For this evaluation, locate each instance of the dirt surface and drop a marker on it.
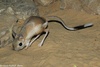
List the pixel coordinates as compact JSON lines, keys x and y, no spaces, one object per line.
{"x":62,"y":48}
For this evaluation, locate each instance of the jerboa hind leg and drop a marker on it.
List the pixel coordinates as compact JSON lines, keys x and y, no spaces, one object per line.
{"x":41,"y":43}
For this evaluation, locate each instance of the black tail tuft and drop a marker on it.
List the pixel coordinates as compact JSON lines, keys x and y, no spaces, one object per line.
{"x":83,"y":26}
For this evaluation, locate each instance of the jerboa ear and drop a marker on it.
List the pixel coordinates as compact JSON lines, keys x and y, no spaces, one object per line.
{"x":45,"y":24}
{"x":13,"y":34}
{"x":20,"y":36}
{"x":17,"y":20}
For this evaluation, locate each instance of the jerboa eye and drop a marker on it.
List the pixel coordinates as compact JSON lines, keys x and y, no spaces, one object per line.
{"x":20,"y":44}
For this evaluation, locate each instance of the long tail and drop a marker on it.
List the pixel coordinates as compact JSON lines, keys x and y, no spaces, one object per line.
{"x":59,"y":20}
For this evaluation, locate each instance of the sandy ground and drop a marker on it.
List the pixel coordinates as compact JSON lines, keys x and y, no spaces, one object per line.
{"x":62,"y":48}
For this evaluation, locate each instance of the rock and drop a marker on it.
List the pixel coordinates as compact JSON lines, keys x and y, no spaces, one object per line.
{"x":98,"y":9}
{"x":19,"y":8}
{"x":44,"y":2}
{"x":1,"y":10}
{"x":25,"y":9}
{"x":70,"y":4}
{"x":2,"y":32}
{"x":91,"y":6}
{"x":9,"y":10}
{"x":4,"y":38}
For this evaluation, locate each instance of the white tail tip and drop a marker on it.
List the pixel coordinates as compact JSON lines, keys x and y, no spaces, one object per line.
{"x":89,"y":24}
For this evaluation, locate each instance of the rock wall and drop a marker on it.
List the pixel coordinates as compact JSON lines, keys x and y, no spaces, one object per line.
{"x":20,"y":8}
{"x":24,"y":8}
{"x":90,"y":6}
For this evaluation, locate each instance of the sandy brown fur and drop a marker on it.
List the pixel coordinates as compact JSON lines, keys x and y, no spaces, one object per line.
{"x":31,"y":27}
